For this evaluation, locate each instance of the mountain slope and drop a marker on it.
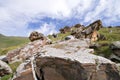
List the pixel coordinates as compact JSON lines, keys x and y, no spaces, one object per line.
{"x":8,"y":43}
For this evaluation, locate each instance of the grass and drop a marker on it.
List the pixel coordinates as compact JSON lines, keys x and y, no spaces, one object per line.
{"x":14,"y":65}
{"x":6,"y":77}
{"x":111,"y":34}
{"x":60,"y":36}
{"x":10,"y":43}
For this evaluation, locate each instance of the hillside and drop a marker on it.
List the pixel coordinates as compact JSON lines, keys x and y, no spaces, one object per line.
{"x":10,"y":42}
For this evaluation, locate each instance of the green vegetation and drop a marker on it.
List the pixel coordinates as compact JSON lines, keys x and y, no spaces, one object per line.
{"x":111,"y":34}
{"x":14,"y":65}
{"x":6,"y":77}
{"x":61,"y":36}
{"x":10,"y":43}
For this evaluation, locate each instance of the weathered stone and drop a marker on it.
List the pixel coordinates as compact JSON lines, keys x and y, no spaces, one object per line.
{"x":4,"y":69}
{"x":115,"y":47}
{"x":36,"y":36}
{"x":95,"y":26}
{"x":24,"y":72}
{"x":25,"y":52}
{"x":13,"y":55}
{"x":54,"y":35}
{"x":70,"y":37}
{"x":91,"y":30}
{"x":48,"y":68}
{"x":78,"y":33}
{"x":68,"y":60}
{"x":4,"y":58}
{"x":65,"y":29}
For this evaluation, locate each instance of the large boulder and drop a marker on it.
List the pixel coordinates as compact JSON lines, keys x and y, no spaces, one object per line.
{"x":65,"y":29}
{"x":36,"y":36}
{"x":70,"y":37}
{"x":95,"y":26}
{"x":91,"y":31}
{"x":72,"y":60}
{"x":4,"y":69}
{"x":24,"y":71}
{"x":115,"y":47}
{"x":68,"y":60}
{"x":48,"y":68}
{"x":78,"y":32}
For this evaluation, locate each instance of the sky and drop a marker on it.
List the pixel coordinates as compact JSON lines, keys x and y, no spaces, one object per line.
{"x":21,"y":17}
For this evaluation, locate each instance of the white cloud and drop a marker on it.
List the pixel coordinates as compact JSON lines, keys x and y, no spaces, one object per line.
{"x":46,"y":29}
{"x":16,"y":14}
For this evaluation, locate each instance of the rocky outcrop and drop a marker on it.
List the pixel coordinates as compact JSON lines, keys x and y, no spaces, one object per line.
{"x":78,"y":32}
{"x":115,"y":47}
{"x":65,"y":29}
{"x":90,"y":31}
{"x":69,"y":60}
{"x":95,"y":26}
{"x":25,"y":52}
{"x":61,"y":69}
{"x":24,"y":71}
{"x":36,"y":36}
{"x":4,"y":69}
{"x":70,"y":37}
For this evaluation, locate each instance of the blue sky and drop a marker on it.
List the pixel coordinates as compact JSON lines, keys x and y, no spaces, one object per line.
{"x":21,"y":17}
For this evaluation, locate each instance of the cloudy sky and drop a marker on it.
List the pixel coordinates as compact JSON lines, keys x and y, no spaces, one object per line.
{"x":20,"y":17}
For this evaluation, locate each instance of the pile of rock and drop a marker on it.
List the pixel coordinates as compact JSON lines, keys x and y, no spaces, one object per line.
{"x":38,"y":41}
{"x":68,"y":60}
{"x":78,"y":32}
{"x":91,"y":31}
{"x":36,"y":36}
{"x":65,"y":29}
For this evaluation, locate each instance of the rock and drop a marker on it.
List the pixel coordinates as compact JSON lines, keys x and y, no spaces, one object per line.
{"x":36,"y":36}
{"x":94,"y":36}
{"x":48,"y":68}
{"x":115,"y":47}
{"x":54,"y":35}
{"x":68,"y":60}
{"x":4,"y":58}
{"x":95,"y":26}
{"x":101,"y":37}
{"x":13,"y":55}
{"x":72,"y":60}
{"x":4,"y":69}
{"x":78,"y":33}
{"x":25,"y":52}
{"x":70,"y":37}
{"x":91,"y":30}
{"x":78,"y":26}
{"x":24,"y":72}
{"x":65,"y":29}
{"x":94,"y":46}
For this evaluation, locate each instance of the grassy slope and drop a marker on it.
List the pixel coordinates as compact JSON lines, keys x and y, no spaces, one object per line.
{"x":112,"y":34}
{"x":9,"y":43}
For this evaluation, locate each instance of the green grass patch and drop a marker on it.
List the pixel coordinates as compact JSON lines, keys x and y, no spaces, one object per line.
{"x":14,"y":66}
{"x":6,"y":42}
{"x":7,"y":77}
{"x":60,"y":36}
{"x":111,"y":34}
